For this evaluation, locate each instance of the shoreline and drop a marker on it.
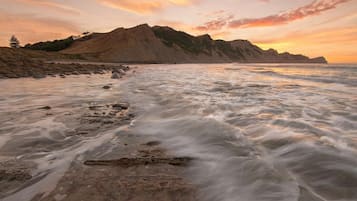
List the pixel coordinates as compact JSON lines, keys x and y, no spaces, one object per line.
{"x":41,"y":69}
{"x":18,"y":63}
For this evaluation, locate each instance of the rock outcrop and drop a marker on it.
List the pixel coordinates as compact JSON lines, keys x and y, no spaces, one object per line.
{"x":16,"y":63}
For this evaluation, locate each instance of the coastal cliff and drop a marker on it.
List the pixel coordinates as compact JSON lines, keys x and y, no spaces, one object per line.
{"x":157,"y":44}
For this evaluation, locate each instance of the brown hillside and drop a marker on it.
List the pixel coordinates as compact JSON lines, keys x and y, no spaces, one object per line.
{"x":138,"y":44}
{"x":145,"y":44}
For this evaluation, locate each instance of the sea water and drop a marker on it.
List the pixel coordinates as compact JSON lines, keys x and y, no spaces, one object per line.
{"x":260,"y":132}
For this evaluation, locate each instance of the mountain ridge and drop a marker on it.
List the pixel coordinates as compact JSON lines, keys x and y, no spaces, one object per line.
{"x":163,"y":44}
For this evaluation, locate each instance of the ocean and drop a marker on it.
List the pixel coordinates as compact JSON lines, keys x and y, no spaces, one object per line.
{"x":261,"y":132}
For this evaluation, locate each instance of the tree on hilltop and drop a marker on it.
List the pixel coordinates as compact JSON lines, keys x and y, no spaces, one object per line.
{"x":14,"y":42}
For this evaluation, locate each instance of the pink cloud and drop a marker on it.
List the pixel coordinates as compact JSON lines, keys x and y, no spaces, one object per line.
{"x":216,"y":24}
{"x":314,"y":8}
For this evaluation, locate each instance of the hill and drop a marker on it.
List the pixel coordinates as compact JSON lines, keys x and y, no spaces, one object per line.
{"x":145,"y":44}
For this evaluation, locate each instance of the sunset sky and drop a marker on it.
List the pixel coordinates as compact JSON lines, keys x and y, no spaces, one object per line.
{"x":311,"y":27}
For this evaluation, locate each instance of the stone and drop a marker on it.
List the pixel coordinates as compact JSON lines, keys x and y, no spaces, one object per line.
{"x":115,"y":75}
{"x":120,"y":106}
{"x":152,"y":143}
{"x":45,"y":108}
{"x":38,"y":76}
{"x":95,"y":107}
{"x":129,"y":162}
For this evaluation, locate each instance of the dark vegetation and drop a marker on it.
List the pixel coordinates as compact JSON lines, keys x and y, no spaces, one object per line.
{"x":227,"y":49}
{"x":196,"y":45}
{"x":201,"y":44}
{"x":51,"y":46}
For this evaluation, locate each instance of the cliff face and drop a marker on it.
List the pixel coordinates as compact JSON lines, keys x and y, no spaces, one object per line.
{"x":145,"y":44}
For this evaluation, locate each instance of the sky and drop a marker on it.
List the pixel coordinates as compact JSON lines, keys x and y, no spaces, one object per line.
{"x":310,"y":27}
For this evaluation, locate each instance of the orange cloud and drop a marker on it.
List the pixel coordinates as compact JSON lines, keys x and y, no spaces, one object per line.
{"x":144,"y":6}
{"x":139,"y":7}
{"x":50,"y":5}
{"x":314,"y":8}
{"x":29,"y":28}
{"x":184,"y":2}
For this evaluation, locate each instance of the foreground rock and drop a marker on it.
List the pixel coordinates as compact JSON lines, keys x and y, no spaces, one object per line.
{"x":45,"y":108}
{"x":18,"y":168}
{"x":132,"y":171}
{"x":127,"y":162}
{"x":92,"y":154}
{"x":13,"y":173}
{"x":115,"y":75}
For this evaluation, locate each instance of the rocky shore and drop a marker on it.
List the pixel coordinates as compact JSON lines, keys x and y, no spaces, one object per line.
{"x":18,"y":63}
{"x":39,"y":69}
{"x":96,"y":156}
{"x":133,"y":168}
{"x":137,"y":170}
